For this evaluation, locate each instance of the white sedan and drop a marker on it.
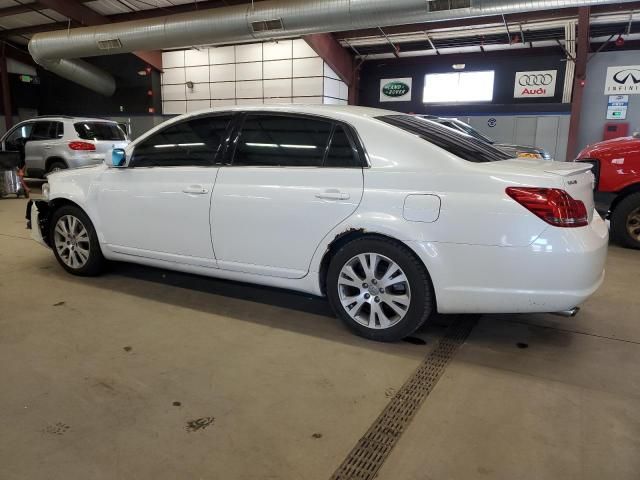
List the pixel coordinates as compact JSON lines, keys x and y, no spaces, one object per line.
{"x":392,"y":217}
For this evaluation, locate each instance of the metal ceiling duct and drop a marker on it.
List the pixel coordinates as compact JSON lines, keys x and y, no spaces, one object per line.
{"x":59,"y":51}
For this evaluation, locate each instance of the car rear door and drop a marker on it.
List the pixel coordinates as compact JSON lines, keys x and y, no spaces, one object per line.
{"x":158,"y":207}
{"x":291,"y":180}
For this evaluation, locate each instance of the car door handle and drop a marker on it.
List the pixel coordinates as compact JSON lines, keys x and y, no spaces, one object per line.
{"x":333,"y":195}
{"x":195,"y":189}
{"x":47,"y":146}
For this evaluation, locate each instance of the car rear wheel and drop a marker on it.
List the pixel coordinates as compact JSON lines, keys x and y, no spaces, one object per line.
{"x":56,"y":166}
{"x":74,"y":242}
{"x":625,"y":221}
{"x":379,"y":289}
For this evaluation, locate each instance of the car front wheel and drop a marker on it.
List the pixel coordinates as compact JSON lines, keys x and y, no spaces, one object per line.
{"x":625,"y":222}
{"x":74,"y":242}
{"x":379,"y":289}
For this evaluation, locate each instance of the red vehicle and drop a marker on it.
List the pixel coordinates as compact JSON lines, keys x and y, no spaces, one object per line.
{"x":616,"y":166}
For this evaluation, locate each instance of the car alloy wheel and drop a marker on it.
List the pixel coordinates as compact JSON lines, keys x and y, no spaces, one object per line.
{"x":374,"y":290}
{"x":71,"y":240}
{"x":633,"y":224}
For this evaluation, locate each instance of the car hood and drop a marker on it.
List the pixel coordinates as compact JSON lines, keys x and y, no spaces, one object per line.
{"x":87,"y":170}
{"x":610,"y":147}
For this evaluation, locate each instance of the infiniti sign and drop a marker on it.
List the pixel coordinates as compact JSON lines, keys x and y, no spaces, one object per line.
{"x":623,"y":79}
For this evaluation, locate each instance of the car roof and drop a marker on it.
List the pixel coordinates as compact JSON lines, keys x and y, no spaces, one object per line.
{"x":61,"y":118}
{"x":336,"y":112}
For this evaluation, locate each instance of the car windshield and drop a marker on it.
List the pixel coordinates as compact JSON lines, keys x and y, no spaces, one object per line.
{"x":464,"y":146}
{"x":469,"y":130}
{"x":99,"y":131}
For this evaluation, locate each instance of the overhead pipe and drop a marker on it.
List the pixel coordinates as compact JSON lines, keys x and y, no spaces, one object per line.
{"x":59,"y":51}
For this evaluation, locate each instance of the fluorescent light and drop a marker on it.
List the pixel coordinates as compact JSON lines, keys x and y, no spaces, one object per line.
{"x":283,"y":145}
{"x":196,"y":144}
{"x":168,"y":145}
{"x":267,"y":145}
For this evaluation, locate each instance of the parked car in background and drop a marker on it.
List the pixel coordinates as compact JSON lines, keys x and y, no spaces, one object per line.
{"x":59,"y":142}
{"x":519,"y":151}
{"x":616,"y":166}
{"x":390,"y":216}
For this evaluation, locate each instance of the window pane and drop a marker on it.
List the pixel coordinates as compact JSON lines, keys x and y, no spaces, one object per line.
{"x":459,"y":144}
{"x":14,"y":141}
{"x":458,"y":87}
{"x":341,"y":153}
{"x":191,"y":143}
{"x":277,"y":140}
{"x":41,"y":131}
{"x":57,"y":129}
{"x":99,"y":131}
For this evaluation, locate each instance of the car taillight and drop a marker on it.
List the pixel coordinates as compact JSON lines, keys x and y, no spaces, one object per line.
{"x":554,"y":206}
{"x":84,"y":146}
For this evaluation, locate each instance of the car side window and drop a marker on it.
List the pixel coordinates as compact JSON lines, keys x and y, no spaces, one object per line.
{"x":342,"y":153}
{"x":16,"y":139}
{"x":194,"y":142}
{"x":43,"y":131}
{"x":282,"y":140}
{"x":57,"y":129}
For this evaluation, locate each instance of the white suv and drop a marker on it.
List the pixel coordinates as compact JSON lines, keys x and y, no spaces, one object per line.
{"x":56,"y":143}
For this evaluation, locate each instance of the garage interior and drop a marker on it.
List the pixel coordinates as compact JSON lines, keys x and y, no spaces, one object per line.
{"x":144,"y":373}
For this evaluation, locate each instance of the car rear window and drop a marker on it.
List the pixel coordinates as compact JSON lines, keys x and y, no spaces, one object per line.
{"x":459,"y":144}
{"x":99,"y":131}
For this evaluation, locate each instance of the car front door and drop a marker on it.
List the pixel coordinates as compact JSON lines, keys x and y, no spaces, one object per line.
{"x":158,"y":207}
{"x":292,"y":179}
{"x":15,"y":139}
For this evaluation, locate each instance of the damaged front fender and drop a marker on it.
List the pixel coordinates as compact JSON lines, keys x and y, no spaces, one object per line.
{"x":38,"y":221}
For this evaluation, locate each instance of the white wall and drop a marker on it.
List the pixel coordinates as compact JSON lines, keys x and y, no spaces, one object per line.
{"x":286,"y":71}
{"x":594,"y":101}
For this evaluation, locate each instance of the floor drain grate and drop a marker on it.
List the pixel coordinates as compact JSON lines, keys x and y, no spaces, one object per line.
{"x":366,"y":458}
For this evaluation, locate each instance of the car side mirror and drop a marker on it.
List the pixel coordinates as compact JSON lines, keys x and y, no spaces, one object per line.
{"x":118,"y":157}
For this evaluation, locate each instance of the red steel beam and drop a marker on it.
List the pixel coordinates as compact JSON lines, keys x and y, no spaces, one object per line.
{"x":6,"y":89}
{"x":339,"y":59}
{"x":554,"y":14}
{"x":580,"y":75}
{"x":76,"y":11}
{"x":332,"y":52}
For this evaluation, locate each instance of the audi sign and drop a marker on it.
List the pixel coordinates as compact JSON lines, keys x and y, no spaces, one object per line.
{"x":541,"y":83}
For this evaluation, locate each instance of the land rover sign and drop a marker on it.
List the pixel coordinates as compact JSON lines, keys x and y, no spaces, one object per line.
{"x":395,"y":89}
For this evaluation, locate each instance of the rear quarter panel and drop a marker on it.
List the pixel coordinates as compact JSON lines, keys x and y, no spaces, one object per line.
{"x":474,"y":207}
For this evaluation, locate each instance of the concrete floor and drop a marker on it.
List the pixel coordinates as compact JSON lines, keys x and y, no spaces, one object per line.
{"x":147,"y":374}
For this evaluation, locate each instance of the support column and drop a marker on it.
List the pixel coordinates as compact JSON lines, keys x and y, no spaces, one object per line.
{"x":339,"y":59}
{"x":582,"y":51}
{"x":6,"y":89}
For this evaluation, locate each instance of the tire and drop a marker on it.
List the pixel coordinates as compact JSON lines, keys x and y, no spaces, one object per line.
{"x":399,"y":309}
{"x":78,"y":253}
{"x":55,"y":166}
{"x":625,"y":222}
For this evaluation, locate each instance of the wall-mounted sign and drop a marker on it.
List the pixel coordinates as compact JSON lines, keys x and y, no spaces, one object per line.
{"x":492,"y":122}
{"x":30,"y":79}
{"x":617,"y":107}
{"x":622,"y":80}
{"x":395,"y":89}
{"x":541,"y":83}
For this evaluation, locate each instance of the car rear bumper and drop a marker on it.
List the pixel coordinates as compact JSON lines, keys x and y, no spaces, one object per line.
{"x":558,"y":271}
